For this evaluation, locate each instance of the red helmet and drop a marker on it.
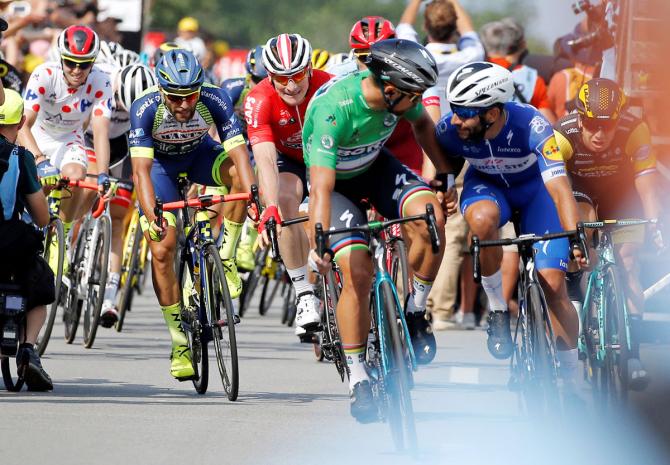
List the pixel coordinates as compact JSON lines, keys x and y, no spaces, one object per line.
{"x":79,"y":42}
{"x":369,"y":30}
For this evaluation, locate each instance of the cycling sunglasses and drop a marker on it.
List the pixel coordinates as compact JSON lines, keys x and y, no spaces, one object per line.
{"x":83,"y":65}
{"x":467,"y":112}
{"x":296,"y":77}
{"x":178,"y":99}
{"x":413,"y":97}
{"x":594,"y":124}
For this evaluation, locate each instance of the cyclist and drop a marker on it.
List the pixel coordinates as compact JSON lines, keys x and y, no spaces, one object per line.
{"x":320,"y":58}
{"x":612,"y":165}
{"x":128,"y":83}
{"x":515,"y":165}
{"x":238,"y":89}
{"x":346,"y":126}
{"x":168,"y":136}
{"x":60,"y":98}
{"x":20,"y":243}
{"x":275,"y":113}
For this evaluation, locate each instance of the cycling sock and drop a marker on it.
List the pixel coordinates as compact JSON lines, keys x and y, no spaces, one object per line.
{"x":249,"y":235}
{"x":574,"y":282}
{"x":299,"y":279}
{"x":67,"y":225}
{"x":569,"y":365}
{"x":420,"y":290}
{"x":355,"y":355}
{"x":112,"y":286}
{"x":493,"y":287}
{"x":172,"y":316}
{"x":231,"y":236}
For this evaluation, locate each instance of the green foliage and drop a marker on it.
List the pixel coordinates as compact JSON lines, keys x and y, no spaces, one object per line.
{"x":326,"y":23}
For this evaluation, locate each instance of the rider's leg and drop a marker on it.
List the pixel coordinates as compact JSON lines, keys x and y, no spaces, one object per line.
{"x":234,"y":214}
{"x":293,"y":246}
{"x":587,"y":212}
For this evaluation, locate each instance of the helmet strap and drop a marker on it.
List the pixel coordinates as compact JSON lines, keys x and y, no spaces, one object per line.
{"x":390,"y":103}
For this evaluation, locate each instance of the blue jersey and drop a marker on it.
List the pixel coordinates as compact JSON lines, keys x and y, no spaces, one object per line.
{"x":235,"y":88}
{"x":155,"y":131}
{"x":525,"y":148}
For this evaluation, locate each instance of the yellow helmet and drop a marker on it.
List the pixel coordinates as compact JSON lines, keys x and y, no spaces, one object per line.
{"x":320,"y":58}
{"x":188,"y":24}
{"x":600,"y":99}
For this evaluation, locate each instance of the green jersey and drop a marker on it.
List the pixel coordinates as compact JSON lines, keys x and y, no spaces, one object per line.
{"x":342,"y":132}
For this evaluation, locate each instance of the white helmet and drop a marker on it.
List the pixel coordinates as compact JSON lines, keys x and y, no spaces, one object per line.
{"x":131,"y":82}
{"x":126,"y":57}
{"x":287,"y":54}
{"x":480,"y":84}
{"x":108,"y":51}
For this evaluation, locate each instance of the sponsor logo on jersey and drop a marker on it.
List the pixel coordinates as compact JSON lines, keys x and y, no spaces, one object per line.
{"x":390,"y":120}
{"x":84,"y":105}
{"x":137,"y":132}
{"x":362,"y":150}
{"x":538,"y":124}
{"x":550,"y":150}
{"x":331,"y":119}
{"x":327,"y":142}
{"x":509,"y":149}
{"x":344,"y":103}
{"x":145,"y":105}
{"x":572,"y":131}
{"x":216,"y":99}
{"x":510,"y":134}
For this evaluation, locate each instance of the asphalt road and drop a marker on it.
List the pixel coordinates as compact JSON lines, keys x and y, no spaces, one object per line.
{"x":116,"y":403}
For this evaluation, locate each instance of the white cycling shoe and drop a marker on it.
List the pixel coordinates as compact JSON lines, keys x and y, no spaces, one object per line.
{"x":308,"y":315}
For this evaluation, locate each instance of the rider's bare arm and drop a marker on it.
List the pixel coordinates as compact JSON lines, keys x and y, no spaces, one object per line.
{"x":26,"y":137}
{"x":265,"y":154}
{"x":100,"y":126}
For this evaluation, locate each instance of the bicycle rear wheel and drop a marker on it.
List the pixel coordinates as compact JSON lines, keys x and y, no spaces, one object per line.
{"x":97,"y":280}
{"x":400,"y":410}
{"x":540,"y":389}
{"x":252,"y":281}
{"x":73,"y":301}
{"x":55,"y":235}
{"x":222,"y":322}
{"x":270,"y":289}
{"x":129,"y":271}
{"x":614,"y":372}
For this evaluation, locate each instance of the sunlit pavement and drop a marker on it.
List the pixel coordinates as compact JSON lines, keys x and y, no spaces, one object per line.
{"x":117,"y":404}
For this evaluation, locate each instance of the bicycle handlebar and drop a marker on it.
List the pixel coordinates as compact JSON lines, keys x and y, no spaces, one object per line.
{"x":376,"y":227}
{"x":524,"y":239}
{"x":65,"y":182}
{"x":620,"y":223}
{"x":204,"y":201}
{"x":271,"y":228}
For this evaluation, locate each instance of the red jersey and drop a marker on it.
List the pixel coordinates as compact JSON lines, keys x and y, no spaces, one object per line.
{"x":270,"y":119}
{"x":404,"y":147}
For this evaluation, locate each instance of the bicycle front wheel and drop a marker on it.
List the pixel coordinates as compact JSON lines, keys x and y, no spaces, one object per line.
{"x":614,"y":372}
{"x":54,"y":254}
{"x":540,"y":387}
{"x":129,"y":264}
{"x":398,"y":379}
{"x":399,"y":269}
{"x":97,"y":280}
{"x":251,"y":283}
{"x":221,"y":316}
{"x":270,"y":289}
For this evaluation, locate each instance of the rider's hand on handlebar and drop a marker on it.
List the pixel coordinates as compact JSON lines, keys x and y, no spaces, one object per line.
{"x":579,"y":256}
{"x":158,"y":232}
{"x":48,"y":174}
{"x":271,"y":211}
{"x":318,"y":264}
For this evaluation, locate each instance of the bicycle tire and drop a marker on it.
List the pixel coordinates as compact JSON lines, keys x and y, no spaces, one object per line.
{"x":270,"y":288}
{"x":252,"y":280}
{"x":541,"y":389}
{"x":55,"y":232}
{"x":400,"y":268}
{"x":284,"y":307}
{"x":143,"y":266}
{"x":291,"y":306}
{"x":128,"y":270}
{"x":194,"y":335}
{"x":73,"y":303}
{"x":588,"y":337}
{"x":95,"y":293}
{"x":12,"y":383}
{"x":400,"y":411}
{"x":223,"y":333}
{"x":615,"y":368}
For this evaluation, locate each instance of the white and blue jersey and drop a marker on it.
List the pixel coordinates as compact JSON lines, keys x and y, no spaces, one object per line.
{"x":511,"y":170}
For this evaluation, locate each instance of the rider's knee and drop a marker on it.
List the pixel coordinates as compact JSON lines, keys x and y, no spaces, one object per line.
{"x":288,"y":203}
{"x":483,"y":222}
{"x":73,"y":171}
{"x":162,"y":254}
{"x":361,"y":278}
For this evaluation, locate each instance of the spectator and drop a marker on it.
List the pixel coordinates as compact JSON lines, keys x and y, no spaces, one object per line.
{"x":187,"y":37}
{"x":505,"y":45}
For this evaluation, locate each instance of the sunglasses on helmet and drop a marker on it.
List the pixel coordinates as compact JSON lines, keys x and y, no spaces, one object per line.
{"x":71,"y":64}
{"x":467,"y":112}
{"x":178,"y":99}
{"x":295,"y":77}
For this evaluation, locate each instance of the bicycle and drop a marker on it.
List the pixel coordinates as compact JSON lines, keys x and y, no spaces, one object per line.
{"x":12,"y":327}
{"x":84,"y":284}
{"x":207,"y":309}
{"x":390,"y":354}
{"x":131,"y":267}
{"x":604,"y":340}
{"x":533,"y":365}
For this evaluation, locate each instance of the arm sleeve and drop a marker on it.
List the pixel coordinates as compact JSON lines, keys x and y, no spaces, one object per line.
{"x":640,"y":150}
{"x":140,"y":140}
{"x":223,"y":111}
{"x":322,"y":143}
{"x":36,"y":89}
{"x":542,"y":141}
{"x":102,"y":92}
{"x":257,"y":112}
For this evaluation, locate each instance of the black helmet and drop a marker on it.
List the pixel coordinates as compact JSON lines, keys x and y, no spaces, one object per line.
{"x":403,"y":63}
